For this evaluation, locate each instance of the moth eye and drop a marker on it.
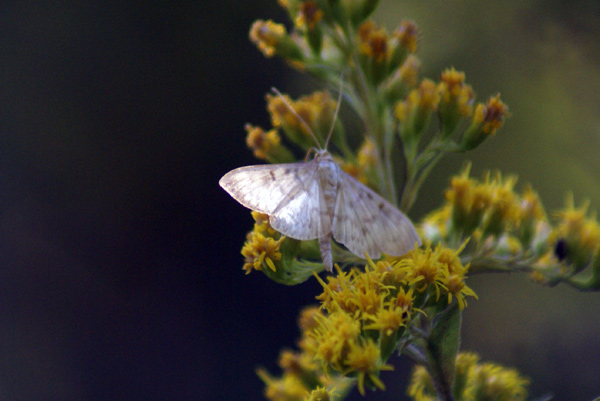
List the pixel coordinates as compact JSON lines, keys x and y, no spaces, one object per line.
{"x":561,"y":249}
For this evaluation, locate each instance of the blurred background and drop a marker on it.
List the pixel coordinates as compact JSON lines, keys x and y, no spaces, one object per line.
{"x":120,"y":274}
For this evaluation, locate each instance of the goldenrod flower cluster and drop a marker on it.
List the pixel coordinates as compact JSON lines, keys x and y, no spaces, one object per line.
{"x":489,"y":212}
{"x":457,"y":126}
{"x":510,"y":231}
{"x":573,"y":247}
{"x":474,"y":381}
{"x":367,"y":313}
{"x":303,"y":376}
{"x":262,"y":247}
{"x":298,"y":118}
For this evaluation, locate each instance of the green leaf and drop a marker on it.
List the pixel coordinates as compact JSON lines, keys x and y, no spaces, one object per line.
{"x":442,"y":347}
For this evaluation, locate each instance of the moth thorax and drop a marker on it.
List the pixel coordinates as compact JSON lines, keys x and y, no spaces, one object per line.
{"x":328,"y":177}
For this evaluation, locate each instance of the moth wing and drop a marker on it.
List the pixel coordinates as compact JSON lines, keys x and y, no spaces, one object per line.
{"x":289,"y":193}
{"x":303,"y":214}
{"x":264,"y":187}
{"x":365,"y":222}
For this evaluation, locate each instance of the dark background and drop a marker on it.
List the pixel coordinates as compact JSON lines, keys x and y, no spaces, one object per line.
{"x":120,"y":274}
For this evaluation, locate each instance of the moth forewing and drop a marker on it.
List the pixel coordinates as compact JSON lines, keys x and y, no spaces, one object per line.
{"x":264,"y":188}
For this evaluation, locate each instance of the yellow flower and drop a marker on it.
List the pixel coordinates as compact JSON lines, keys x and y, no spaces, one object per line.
{"x":316,"y":112}
{"x":272,"y":39}
{"x":404,"y":300}
{"x":415,"y":112}
{"x":367,"y":155}
{"x":407,"y":35}
{"x":333,"y":337}
{"x":465,"y":361}
{"x":455,"y":92}
{"x":373,"y":41}
{"x":456,"y":100}
{"x":491,"y":114}
{"x":260,"y":142}
{"x":531,"y":205}
{"x":468,"y":201}
{"x":424,"y":268}
{"x":438,"y":270}
{"x":452,"y":83}
{"x":267,"y":35}
{"x":387,"y":319}
{"x":403,"y":79}
{"x":410,"y":70}
{"x":473,"y":381}
{"x":309,"y":15}
{"x":421,"y":386}
{"x":337,"y":292}
{"x":453,"y":275}
{"x":308,"y":318}
{"x":260,"y":249}
{"x":355,"y":293}
{"x":504,"y":208}
{"x":320,"y":394}
{"x":352,"y":169}
{"x":487,"y":119}
{"x":455,"y":285}
{"x":494,"y":382}
{"x":491,"y":206}
{"x":288,"y":388}
{"x":435,"y":225}
{"x":363,"y":358}
{"x":261,"y":224}
{"x":580,"y":233}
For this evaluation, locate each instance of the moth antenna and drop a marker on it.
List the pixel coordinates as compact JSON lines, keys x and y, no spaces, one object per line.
{"x":337,"y":110}
{"x":298,"y":117}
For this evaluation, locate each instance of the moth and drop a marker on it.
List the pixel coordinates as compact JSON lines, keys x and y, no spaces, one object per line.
{"x":318,"y":200}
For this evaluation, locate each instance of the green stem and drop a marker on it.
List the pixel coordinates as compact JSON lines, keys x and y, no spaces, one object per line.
{"x":416,"y":178}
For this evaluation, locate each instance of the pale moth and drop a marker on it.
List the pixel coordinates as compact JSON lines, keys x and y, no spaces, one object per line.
{"x":318,"y":200}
